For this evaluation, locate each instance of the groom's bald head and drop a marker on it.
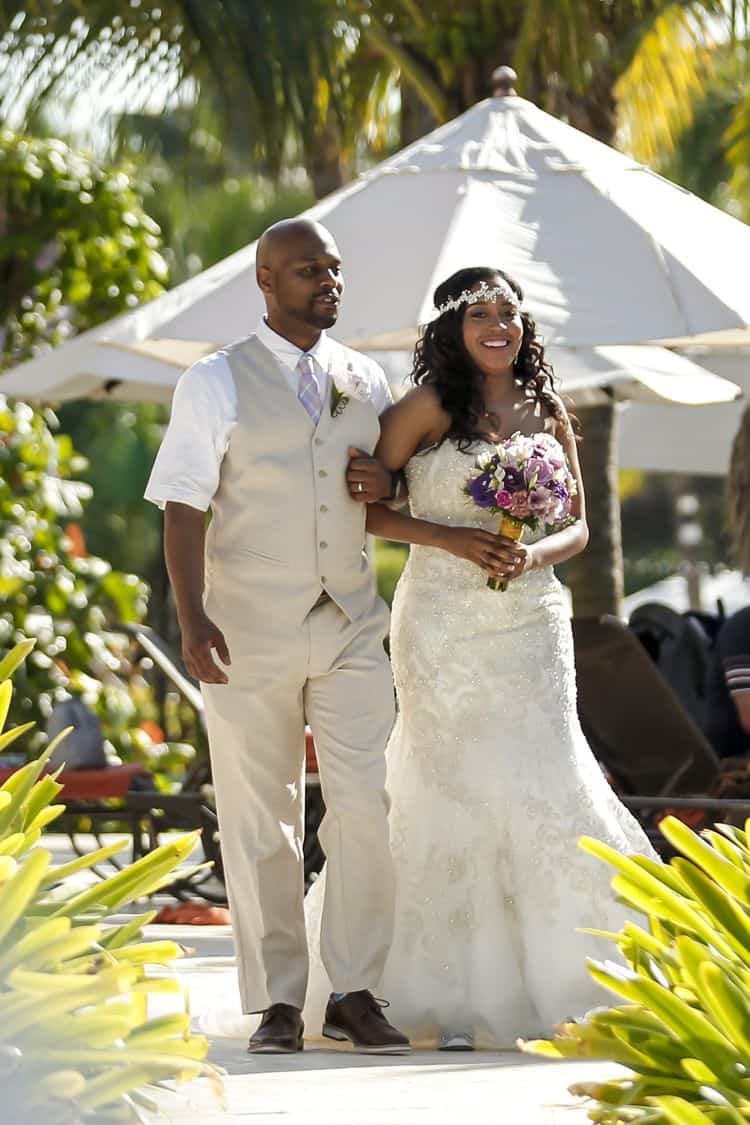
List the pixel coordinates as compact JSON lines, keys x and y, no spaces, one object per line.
{"x":298,"y":267}
{"x":295,"y":237}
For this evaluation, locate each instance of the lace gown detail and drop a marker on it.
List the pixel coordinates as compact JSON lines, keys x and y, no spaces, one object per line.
{"x":491,"y":782}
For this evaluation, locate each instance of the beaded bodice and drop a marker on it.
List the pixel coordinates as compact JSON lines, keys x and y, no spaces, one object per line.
{"x":436,"y":480}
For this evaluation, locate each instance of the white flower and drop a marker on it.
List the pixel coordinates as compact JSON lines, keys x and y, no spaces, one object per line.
{"x":351,"y":383}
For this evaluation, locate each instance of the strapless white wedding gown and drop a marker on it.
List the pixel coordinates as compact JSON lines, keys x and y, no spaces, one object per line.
{"x":491,"y":783}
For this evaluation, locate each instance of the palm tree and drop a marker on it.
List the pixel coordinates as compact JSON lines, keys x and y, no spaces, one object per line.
{"x":291,"y":77}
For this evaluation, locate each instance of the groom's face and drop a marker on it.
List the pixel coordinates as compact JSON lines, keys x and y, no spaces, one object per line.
{"x":305,"y":283}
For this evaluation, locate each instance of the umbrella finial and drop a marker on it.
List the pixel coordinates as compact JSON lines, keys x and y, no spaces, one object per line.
{"x":504,"y":80}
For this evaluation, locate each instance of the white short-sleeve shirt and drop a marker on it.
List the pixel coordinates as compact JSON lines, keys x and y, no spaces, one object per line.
{"x":204,"y":412}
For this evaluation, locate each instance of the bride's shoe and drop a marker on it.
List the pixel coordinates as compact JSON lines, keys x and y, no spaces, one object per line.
{"x":456,"y":1041}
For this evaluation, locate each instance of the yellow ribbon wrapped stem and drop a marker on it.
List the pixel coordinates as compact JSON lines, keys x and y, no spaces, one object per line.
{"x":513,"y":529}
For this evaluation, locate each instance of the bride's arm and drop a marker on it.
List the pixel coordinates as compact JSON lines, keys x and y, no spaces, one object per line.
{"x":562,"y":545}
{"x":415,"y":422}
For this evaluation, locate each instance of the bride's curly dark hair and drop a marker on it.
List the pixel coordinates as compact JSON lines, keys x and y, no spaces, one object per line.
{"x":442,"y":361}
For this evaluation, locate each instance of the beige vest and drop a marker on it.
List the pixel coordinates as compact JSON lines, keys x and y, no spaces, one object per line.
{"x":283,"y":525}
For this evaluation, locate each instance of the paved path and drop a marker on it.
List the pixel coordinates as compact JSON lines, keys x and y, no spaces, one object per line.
{"x":330,"y":1087}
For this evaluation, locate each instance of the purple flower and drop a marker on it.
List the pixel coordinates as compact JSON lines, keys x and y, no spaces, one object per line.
{"x":513,"y":480}
{"x":541,"y":467}
{"x":557,"y":488}
{"x":481,"y":491}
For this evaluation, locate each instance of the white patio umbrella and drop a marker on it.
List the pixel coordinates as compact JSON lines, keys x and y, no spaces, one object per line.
{"x":665,"y":438}
{"x":609,"y":254}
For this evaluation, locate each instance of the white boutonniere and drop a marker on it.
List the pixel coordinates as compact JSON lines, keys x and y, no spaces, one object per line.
{"x":347,"y":384}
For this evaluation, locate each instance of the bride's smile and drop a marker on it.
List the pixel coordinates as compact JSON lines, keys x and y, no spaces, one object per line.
{"x":492,"y":335}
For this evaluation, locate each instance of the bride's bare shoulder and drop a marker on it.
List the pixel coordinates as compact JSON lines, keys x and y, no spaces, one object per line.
{"x":420,"y":407}
{"x":414,"y":422}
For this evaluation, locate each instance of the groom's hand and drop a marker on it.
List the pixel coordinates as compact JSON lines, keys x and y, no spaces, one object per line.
{"x":367,"y":480}
{"x":199,"y":639}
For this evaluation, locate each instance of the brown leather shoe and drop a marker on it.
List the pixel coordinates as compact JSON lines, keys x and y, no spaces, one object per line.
{"x":358,"y":1017}
{"x":280,"y":1032}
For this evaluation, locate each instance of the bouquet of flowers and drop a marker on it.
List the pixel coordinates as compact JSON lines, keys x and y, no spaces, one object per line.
{"x":526,"y":481}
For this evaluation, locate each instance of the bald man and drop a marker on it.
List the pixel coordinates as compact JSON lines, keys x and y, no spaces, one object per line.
{"x":282,"y":624}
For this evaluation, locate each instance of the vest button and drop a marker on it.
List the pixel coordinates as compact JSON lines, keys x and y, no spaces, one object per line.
{"x":323,"y":544}
{"x":322,"y":473}
{"x":323,"y":579}
{"x":324,"y":507}
{"x":318,"y":441}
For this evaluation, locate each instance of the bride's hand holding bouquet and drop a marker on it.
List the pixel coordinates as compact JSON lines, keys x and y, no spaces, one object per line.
{"x":526,"y":481}
{"x":501,"y":557}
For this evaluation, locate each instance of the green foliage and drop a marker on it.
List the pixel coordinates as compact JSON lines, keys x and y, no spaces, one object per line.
{"x":79,"y":249}
{"x":77,"y":1041}
{"x":77,"y":246}
{"x":47,"y":591}
{"x":683,"y":1032}
{"x":292,"y":75}
{"x":389,"y":562}
{"x":119,"y":443}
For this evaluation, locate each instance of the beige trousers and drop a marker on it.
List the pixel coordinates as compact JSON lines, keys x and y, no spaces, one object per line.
{"x":334,"y":674}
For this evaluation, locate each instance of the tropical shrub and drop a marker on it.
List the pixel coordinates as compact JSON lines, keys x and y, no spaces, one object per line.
{"x":77,"y":245}
{"x":76,"y":1041}
{"x":54,"y":592}
{"x":683,"y":1032}
{"x":77,"y":249}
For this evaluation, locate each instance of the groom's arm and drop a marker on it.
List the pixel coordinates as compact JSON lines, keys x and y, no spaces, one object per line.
{"x":369,"y":479}
{"x":183,"y":481}
{"x":184,"y":546}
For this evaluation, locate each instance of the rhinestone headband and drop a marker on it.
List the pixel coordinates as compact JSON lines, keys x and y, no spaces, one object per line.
{"x":485,"y":292}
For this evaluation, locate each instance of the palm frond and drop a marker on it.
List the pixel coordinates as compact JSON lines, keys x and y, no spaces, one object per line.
{"x":656,"y":94}
{"x":737,"y":138}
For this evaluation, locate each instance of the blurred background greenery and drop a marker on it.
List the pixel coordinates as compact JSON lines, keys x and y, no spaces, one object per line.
{"x":141,"y":143}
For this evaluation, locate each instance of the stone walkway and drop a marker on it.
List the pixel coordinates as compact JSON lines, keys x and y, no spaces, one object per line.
{"x":331,"y":1087}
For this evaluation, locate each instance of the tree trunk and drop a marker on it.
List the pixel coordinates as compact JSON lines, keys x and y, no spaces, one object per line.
{"x":324,"y":160}
{"x":416,"y":118}
{"x":596,"y":576}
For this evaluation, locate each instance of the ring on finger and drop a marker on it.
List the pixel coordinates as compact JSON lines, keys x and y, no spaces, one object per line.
{"x":360,"y":486}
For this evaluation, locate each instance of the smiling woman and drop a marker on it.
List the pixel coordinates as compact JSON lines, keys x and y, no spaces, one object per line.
{"x":484,"y":359}
{"x":487,"y":757}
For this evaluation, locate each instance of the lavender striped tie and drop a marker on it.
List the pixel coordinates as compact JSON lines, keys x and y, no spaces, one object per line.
{"x":308,"y":392}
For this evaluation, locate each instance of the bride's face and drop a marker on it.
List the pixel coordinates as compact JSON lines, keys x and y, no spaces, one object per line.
{"x":493,"y":332}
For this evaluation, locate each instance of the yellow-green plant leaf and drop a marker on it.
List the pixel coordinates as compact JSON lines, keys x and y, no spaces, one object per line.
{"x":726,"y":874}
{"x":160,"y":1028}
{"x":65,"y":1085}
{"x":6,"y":694}
{"x":12,"y":844}
{"x":64,"y":870}
{"x":10,"y":737}
{"x":15,"y":658}
{"x":34,"y":946}
{"x":8,"y":868}
{"x":729,"y":918}
{"x":680,"y":1112}
{"x":118,"y":936}
{"x":18,"y":891}
{"x":728,"y":1003}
